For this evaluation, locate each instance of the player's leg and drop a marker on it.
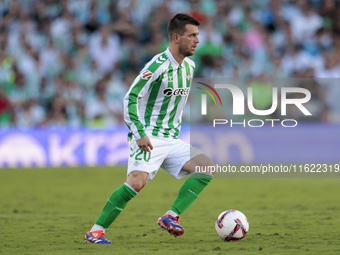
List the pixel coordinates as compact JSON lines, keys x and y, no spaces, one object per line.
{"x":142,"y":167}
{"x":194,"y":185}
{"x":184,"y":162}
{"x":120,"y":197}
{"x":115,"y":204}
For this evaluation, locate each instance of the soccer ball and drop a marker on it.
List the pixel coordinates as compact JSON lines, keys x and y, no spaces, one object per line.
{"x":232,"y":225}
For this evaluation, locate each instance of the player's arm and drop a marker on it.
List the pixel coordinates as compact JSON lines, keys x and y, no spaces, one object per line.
{"x":138,"y":89}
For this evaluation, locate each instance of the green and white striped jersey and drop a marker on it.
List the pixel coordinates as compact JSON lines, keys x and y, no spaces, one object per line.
{"x":155,"y":101}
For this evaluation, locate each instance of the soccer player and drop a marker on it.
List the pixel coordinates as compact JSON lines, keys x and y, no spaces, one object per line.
{"x":153,"y":109}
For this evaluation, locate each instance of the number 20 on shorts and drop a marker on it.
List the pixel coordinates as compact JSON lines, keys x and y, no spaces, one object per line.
{"x":146,"y":155}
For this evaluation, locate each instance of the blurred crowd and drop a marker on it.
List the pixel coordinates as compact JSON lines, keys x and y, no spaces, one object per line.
{"x":70,"y":62}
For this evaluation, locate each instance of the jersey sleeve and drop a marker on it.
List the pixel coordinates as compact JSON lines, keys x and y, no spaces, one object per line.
{"x":138,"y":89}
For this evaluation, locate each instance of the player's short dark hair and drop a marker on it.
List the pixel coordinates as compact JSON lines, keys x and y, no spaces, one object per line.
{"x":178,"y":22}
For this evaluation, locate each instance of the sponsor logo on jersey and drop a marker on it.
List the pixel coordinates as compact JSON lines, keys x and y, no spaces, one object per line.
{"x":146,"y":74}
{"x":175,"y":92}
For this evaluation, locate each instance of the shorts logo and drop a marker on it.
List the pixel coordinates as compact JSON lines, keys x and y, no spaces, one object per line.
{"x":146,"y":74}
{"x":176,"y":92}
{"x":131,"y":155}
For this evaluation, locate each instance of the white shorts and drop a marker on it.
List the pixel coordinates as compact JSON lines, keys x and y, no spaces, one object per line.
{"x":169,"y":154}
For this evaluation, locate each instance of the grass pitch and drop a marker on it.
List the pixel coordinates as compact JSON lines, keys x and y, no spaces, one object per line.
{"x":48,"y":211}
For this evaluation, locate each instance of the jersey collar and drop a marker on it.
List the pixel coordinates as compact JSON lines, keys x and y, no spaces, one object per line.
{"x":172,"y":59}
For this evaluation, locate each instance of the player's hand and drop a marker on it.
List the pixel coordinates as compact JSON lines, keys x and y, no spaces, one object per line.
{"x":144,"y":143}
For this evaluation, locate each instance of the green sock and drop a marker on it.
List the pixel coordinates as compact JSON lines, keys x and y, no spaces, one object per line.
{"x":189,"y":191}
{"x":114,"y":205}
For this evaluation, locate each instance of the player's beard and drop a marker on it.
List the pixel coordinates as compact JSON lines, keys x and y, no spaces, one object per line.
{"x":184,"y":50}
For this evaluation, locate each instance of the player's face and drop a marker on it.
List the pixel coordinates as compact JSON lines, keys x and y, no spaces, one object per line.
{"x":189,"y":40}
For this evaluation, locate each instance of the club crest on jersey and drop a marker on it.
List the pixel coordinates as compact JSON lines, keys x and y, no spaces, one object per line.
{"x":175,"y":92}
{"x":146,"y":74}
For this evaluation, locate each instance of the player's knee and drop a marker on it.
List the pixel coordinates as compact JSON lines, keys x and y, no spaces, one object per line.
{"x":205,"y":168}
{"x":137,"y":186}
{"x":137,"y":180}
{"x":210,"y":169}
{"x":204,"y":164}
